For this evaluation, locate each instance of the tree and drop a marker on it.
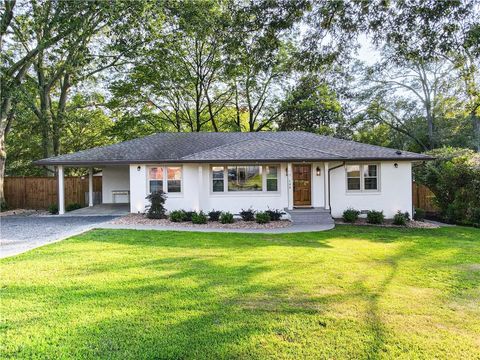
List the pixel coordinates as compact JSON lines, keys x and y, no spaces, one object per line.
{"x":311,"y":106}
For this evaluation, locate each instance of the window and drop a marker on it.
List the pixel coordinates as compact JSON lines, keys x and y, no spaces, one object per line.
{"x":244,"y":178}
{"x":168,"y":179}
{"x":353,"y":177}
{"x":174,"y":181}
{"x":155,"y":176}
{"x":272,"y":178}
{"x":237,"y":178}
{"x":217,"y":176}
{"x":370,"y":177}
{"x":362,"y":177}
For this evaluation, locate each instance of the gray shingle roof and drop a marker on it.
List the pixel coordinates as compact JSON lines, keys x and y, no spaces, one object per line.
{"x":235,"y":146}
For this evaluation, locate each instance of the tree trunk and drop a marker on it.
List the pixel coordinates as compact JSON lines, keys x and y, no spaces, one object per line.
{"x":3,"y":158}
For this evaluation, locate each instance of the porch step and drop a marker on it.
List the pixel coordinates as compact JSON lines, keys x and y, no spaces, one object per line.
{"x":309,"y":216}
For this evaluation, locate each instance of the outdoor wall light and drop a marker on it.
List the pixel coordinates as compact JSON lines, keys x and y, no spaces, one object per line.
{"x":139,"y":168}
{"x":318,"y":171}
{"x":396,"y":165}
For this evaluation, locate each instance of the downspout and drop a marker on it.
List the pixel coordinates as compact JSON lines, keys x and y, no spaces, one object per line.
{"x":329,"y":196}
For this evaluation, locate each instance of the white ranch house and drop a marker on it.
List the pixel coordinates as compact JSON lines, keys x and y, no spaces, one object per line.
{"x":234,"y":171}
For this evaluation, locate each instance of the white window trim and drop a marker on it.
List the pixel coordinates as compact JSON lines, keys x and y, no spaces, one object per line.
{"x":263,"y":192}
{"x":362,"y":179}
{"x":165,"y":179}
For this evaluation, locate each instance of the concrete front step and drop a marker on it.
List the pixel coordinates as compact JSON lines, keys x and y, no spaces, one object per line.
{"x":310,"y":216}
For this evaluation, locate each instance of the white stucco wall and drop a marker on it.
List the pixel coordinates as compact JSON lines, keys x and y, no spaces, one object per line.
{"x":114,"y":178}
{"x":395,"y":191}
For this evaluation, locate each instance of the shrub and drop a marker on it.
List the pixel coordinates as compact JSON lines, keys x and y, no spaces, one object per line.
{"x":199,"y":218}
{"x":275,"y":214}
{"x":214,"y":215}
{"x":375,"y":217}
{"x":262,"y":217}
{"x":419,"y":214}
{"x":226,"y":218}
{"x":350,"y":215}
{"x":401,"y":218}
{"x":454,"y":179}
{"x":73,"y":206}
{"x":156,"y":210}
{"x":177,"y":216}
{"x":3,"y":206}
{"x":189,"y":215}
{"x":475,"y":217}
{"x":53,"y":209}
{"x":247,"y":215}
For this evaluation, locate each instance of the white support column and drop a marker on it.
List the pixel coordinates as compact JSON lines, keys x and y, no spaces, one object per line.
{"x":290,"y":185}
{"x":61,"y":190}
{"x":200,"y":189}
{"x":90,"y":187}
{"x":326,"y":182}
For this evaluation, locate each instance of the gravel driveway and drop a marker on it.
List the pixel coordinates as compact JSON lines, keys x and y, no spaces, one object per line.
{"x":22,"y":233}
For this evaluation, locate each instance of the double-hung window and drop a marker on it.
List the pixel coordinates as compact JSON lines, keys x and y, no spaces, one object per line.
{"x":166,"y":178}
{"x":362,"y":177}
{"x":237,"y":178}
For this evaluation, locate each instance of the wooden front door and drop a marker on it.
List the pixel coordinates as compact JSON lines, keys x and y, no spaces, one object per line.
{"x":302,"y":188}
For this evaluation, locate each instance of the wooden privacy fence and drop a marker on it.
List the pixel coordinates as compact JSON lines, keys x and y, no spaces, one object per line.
{"x":40,"y":192}
{"x":424,"y":198}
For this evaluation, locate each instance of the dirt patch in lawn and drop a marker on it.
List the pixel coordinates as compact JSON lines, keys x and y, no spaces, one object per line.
{"x":139,"y":219}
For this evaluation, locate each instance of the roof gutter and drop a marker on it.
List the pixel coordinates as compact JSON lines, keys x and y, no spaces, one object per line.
{"x":336,"y":167}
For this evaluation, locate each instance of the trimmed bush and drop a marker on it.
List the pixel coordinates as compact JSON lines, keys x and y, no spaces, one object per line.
{"x":350,"y":215}
{"x":177,"y":216}
{"x":419,"y":214}
{"x":189,"y":215}
{"x":226,"y":218}
{"x":156,"y":210}
{"x":53,"y":209}
{"x":247,"y":215}
{"x":199,"y":218}
{"x":262,"y":217}
{"x":475,"y":217}
{"x":73,"y":206}
{"x":401,"y":218}
{"x":375,"y":217}
{"x":275,"y":214}
{"x":214,"y":215}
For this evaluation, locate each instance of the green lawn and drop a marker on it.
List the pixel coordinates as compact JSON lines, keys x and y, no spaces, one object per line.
{"x":353,"y":292}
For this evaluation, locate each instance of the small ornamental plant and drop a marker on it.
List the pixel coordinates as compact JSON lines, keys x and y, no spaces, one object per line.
{"x":350,"y":215}
{"x":247,"y":215}
{"x":226,"y":218}
{"x":401,"y":218}
{"x":53,"y":209}
{"x":199,"y":218}
{"x":275,"y":214}
{"x":262,"y":218}
{"x":156,"y":210}
{"x":214,"y":215}
{"x":177,"y":216}
{"x":189,"y":215}
{"x":375,"y":217}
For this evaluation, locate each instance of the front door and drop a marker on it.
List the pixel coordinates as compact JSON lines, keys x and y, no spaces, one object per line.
{"x":302,"y":188}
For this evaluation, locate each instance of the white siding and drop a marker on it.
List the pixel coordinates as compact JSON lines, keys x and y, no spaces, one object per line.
{"x":114,"y":178}
{"x":395,"y":191}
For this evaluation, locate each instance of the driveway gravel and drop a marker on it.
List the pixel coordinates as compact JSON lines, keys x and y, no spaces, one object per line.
{"x":22,"y":233}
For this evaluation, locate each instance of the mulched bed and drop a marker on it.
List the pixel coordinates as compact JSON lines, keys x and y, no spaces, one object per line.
{"x":139,"y":219}
{"x":388,"y":223}
{"x":24,"y":212}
